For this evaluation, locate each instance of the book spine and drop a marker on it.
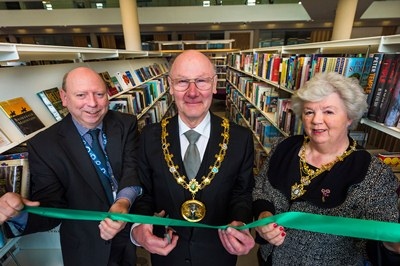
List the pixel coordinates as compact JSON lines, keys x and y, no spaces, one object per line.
{"x":373,"y":77}
{"x":383,"y":75}
{"x":393,"y":114}
{"x":388,"y":91}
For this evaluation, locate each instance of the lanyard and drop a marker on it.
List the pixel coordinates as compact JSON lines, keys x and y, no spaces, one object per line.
{"x":105,"y":169}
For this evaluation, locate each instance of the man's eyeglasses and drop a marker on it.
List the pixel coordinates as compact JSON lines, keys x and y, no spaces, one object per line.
{"x":202,"y":84}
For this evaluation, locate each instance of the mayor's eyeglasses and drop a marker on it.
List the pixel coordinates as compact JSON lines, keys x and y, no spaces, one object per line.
{"x":202,"y":84}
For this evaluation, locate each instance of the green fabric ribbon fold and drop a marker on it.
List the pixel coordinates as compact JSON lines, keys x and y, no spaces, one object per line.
{"x":341,"y":226}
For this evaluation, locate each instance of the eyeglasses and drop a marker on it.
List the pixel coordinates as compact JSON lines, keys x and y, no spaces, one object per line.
{"x":203,"y":84}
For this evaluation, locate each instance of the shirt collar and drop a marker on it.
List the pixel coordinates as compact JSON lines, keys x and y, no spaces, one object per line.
{"x":200,"y":128}
{"x":83,"y":130}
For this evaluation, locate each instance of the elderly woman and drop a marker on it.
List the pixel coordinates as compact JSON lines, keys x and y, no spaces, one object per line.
{"x":323,"y":172}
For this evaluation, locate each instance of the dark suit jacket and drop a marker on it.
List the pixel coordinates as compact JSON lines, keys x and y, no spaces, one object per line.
{"x":63,"y":176}
{"x":227,"y":198}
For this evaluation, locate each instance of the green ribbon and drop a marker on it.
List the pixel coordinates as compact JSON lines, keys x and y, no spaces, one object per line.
{"x":341,"y":226}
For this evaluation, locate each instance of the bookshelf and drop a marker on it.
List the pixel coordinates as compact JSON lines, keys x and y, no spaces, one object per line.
{"x":28,"y":69}
{"x":206,"y":46}
{"x":248,"y":68}
{"x":24,"y":79}
{"x":219,"y":61}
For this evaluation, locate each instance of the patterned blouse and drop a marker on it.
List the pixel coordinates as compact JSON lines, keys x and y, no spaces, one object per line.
{"x":360,"y":186}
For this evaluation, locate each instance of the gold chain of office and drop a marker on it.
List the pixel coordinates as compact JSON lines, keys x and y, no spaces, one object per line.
{"x":194,"y":210}
{"x":309,"y":174}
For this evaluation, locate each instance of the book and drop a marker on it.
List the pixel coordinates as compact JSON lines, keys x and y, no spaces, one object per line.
{"x":378,"y":91}
{"x":393,"y":113}
{"x":118,"y":104}
{"x":51,"y":98}
{"x":354,"y":67}
{"x":4,"y":140}
{"x":22,"y":115}
{"x":373,"y":75}
{"x":117,"y":85}
{"x":139,"y":75}
{"x":389,"y":88}
{"x":11,"y":156}
{"x":392,"y":159}
{"x":366,"y":71}
{"x":123,"y":80}
{"x":129,"y":98}
{"x":14,"y":177}
{"x":130,"y":77}
{"x":111,"y":89}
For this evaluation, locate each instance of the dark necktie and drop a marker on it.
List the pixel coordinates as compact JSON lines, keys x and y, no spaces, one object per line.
{"x":192,"y":160}
{"x":100,"y":156}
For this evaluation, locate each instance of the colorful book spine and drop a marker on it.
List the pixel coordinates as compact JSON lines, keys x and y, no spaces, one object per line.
{"x":378,"y":93}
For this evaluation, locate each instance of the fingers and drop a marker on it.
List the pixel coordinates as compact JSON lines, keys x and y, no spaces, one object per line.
{"x":11,"y":204}
{"x":160,"y":214}
{"x":30,"y":203}
{"x":109,"y":228}
{"x":236,"y":242}
{"x":273,"y":233}
{"x":143,"y":235}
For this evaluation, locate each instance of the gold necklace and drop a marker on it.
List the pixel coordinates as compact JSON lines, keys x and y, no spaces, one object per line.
{"x":194,"y":210}
{"x":309,"y":174}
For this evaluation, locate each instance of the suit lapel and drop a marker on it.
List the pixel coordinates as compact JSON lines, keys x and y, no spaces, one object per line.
{"x":71,"y":142}
{"x":114,"y":144}
{"x":211,"y":150}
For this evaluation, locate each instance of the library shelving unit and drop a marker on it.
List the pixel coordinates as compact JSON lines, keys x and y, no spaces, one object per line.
{"x":242,"y":69}
{"x":206,"y":46}
{"x":219,"y":61}
{"x":28,"y":69}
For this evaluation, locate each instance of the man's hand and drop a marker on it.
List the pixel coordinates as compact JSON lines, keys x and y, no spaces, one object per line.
{"x":109,"y":228}
{"x":236,"y":242}
{"x":143,"y":235}
{"x":11,"y":204}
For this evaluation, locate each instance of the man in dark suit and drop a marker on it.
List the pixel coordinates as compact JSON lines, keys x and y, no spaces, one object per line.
{"x":218,"y":193}
{"x":67,"y":172}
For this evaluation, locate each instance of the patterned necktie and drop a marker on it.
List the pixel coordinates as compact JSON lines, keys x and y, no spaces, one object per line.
{"x":100,"y":157}
{"x":192,"y":161}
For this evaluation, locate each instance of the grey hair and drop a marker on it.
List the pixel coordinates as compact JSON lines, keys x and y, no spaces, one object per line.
{"x":326,"y":83}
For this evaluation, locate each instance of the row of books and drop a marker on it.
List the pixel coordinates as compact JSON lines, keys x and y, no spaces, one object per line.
{"x":137,"y":99}
{"x":162,"y":108}
{"x":293,"y":70}
{"x":124,"y":80}
{"x":384,"y":88}
{"x":266,"y":99}
{"x":14,"y":174}
{"x":262,"y":95}
{"x":378,"y":74}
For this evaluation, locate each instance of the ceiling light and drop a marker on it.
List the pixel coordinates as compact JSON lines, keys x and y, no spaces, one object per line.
{"x":206,"y":3}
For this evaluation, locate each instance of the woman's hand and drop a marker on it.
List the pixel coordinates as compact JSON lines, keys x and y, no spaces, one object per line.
{"x":273,"y":233}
